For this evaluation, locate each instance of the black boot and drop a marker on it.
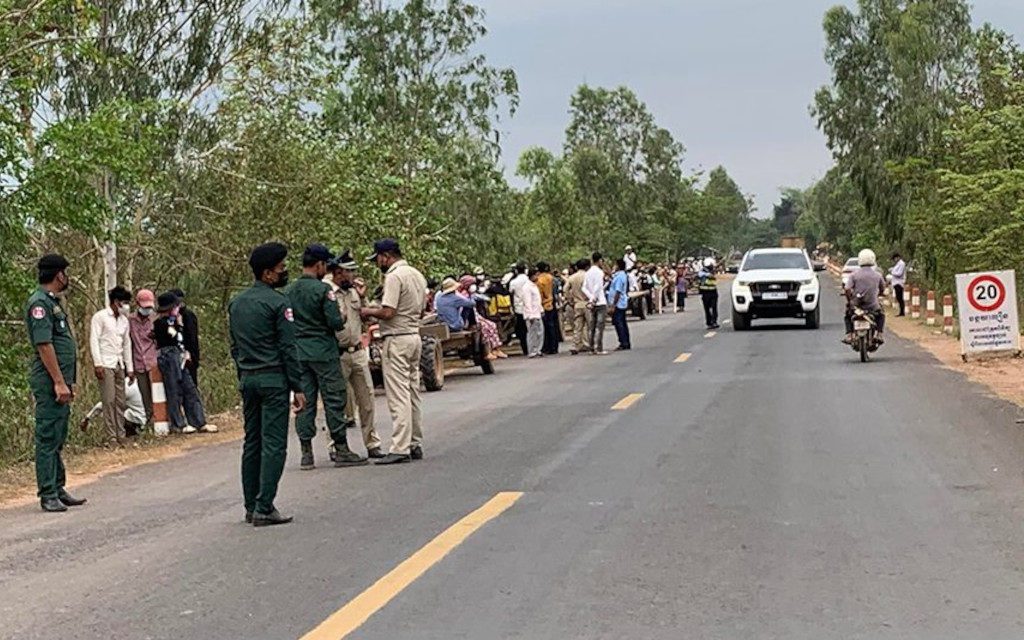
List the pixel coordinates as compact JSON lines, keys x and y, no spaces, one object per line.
{"x":345,"y":457}
{"x":69,"y":500}
{"x":307,"y":455}
{"x":268,"y":519}
{"x":52,"y":505}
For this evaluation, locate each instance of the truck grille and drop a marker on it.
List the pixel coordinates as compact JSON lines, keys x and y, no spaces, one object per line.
{"x":782,"y":287}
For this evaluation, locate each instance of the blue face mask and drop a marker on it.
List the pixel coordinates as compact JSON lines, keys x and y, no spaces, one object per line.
{"x":145,"y":311}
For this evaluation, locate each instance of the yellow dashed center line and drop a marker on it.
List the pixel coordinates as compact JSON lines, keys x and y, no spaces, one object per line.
{"x":627,"y":402}
{"x":683,"y":357}
{"x":351,"y":616}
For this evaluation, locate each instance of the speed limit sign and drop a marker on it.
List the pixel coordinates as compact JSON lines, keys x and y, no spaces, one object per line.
{"x":988,"y":312}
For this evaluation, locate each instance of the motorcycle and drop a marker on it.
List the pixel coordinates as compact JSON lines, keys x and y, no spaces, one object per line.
{"x":865,"y":332}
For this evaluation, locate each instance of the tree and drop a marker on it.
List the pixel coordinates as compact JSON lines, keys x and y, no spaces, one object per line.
{"x":895,"y":66}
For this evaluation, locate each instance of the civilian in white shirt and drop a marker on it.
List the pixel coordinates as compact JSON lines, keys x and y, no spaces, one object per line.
{"x":630,"y":258}
{"x":515,"y":287}
{"x":593,"y":289}
{"x":899,"y":280}
{"x":533,"y":313}
{"x":111,"y":346}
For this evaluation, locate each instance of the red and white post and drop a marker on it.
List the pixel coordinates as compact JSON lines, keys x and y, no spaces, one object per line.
{"x":915,"y":303}
{"x":930,"y":309}
{"x":161,"y":426}
{"x":947,"y":314}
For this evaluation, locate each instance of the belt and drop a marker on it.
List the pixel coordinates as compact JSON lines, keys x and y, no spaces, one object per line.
{"x":273,"y":369}
{"x":398,"y":335}
{"x":352,"y":349}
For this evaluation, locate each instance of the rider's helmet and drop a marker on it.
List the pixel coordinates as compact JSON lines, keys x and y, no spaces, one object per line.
{"x":866,"y":258}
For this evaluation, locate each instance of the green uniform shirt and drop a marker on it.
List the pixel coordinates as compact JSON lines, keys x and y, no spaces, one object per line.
{"x":48,"y":324}
{"x":317,"y":318}
{"x":263,"y":333}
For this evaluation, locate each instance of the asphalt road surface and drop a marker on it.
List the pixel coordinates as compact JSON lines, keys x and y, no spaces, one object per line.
{"x":769,"y":486}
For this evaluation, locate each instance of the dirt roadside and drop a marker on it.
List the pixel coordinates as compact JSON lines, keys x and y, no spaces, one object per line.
{"x":18,"y":483}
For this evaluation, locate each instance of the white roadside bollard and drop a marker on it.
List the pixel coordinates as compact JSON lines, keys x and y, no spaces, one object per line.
{"x":160,"y":425}
{"x":930,"y":309}
{"x":915,"y":304}
{"x":947,"y":314}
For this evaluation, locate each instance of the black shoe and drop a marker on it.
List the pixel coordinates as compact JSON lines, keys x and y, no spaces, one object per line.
{"x":394,"y":458}
{"x":248,"y":516}
{"x":375,"y":452}
{"x":52,"y":505}
{"x":347,"y":458}
{"x":416,"y":453}
{"x":622,"y":348}
{"x":69,"y":500}
{"x":307,"y":462}
{"x":269,"y":519}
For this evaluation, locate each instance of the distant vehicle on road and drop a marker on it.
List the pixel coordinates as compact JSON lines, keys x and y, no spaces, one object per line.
{"x":776,"y":283}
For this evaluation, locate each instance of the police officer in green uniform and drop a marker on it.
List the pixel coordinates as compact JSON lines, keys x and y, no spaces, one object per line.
{"x":52,"y":379}
{"x":317,"y":318}
{"x":263,"y":348}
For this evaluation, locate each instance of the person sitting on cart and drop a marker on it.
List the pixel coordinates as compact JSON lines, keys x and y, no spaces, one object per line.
{"x":450,"y":306}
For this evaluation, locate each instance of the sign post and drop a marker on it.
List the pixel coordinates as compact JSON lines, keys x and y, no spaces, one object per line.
{"x":988,"y":313}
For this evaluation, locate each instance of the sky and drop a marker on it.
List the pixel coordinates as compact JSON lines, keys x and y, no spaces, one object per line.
{"x":731,"y":79}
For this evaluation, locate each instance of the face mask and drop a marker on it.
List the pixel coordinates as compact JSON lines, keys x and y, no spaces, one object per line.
{"x":383,"y":268}
{"x":145,"y":311}
{"x":472,"y":288}
{"x":125,"y":310}
{"x":345,"y":285}
{"x":282,"y":279}
{"x":65,"y":282}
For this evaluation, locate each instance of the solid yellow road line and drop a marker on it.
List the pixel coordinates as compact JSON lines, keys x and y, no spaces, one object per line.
{"x":683,"y":357}
{"x":627,"y":402}
{"x":350,"y":617}
{"x":710,"y":334}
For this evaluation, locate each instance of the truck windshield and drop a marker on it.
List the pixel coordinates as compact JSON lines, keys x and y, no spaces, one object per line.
{"x":775,"y":261}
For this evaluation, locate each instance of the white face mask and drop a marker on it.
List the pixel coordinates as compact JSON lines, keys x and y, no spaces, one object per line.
{"x":125,"y":309}
{"x":472,"y":288}
{"x":145,"y":311}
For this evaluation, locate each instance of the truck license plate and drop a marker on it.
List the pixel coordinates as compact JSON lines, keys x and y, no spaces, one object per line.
{"x":774,"y":295}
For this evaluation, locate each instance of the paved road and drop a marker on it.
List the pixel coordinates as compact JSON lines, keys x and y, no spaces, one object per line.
{"x":769,"y":487}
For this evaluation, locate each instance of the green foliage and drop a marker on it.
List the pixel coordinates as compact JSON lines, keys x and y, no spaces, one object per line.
{"x":895,"y":67}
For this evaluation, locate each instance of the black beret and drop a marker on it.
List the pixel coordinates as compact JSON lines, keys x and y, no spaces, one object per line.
{"x":52,"y":262}
{"x":267,"y":256}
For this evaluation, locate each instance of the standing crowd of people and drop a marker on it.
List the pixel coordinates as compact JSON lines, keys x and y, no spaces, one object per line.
{"x":299,"y":344}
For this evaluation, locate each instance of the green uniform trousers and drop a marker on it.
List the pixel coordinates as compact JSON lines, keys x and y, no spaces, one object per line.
{"x":265,"y":404}
{"x":323,"y":379}
{"x":51,"y":434}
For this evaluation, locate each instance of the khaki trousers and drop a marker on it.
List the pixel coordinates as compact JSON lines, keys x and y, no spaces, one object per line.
{"x":401,"y":365}
{"x":581,"y":328}
{"x":114,"y":402}
{"x":355,"y":368}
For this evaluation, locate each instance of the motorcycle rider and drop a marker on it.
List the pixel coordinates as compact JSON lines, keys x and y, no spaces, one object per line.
{"x":862,"y":290}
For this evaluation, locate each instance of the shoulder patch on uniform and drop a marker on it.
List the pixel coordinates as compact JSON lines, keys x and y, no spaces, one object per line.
{"x":288,"y":315}
{"x":38,"y":312}
{"x":331,"y":296}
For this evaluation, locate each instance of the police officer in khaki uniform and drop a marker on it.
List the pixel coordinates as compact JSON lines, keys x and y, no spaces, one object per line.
{"x":355,"y":359}
{"x":52,"y":380}
{"x":262,"y":331}
{"x":405,"y":291}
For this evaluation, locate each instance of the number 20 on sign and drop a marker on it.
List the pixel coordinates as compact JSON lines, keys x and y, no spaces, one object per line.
{"x":988,"y":312}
